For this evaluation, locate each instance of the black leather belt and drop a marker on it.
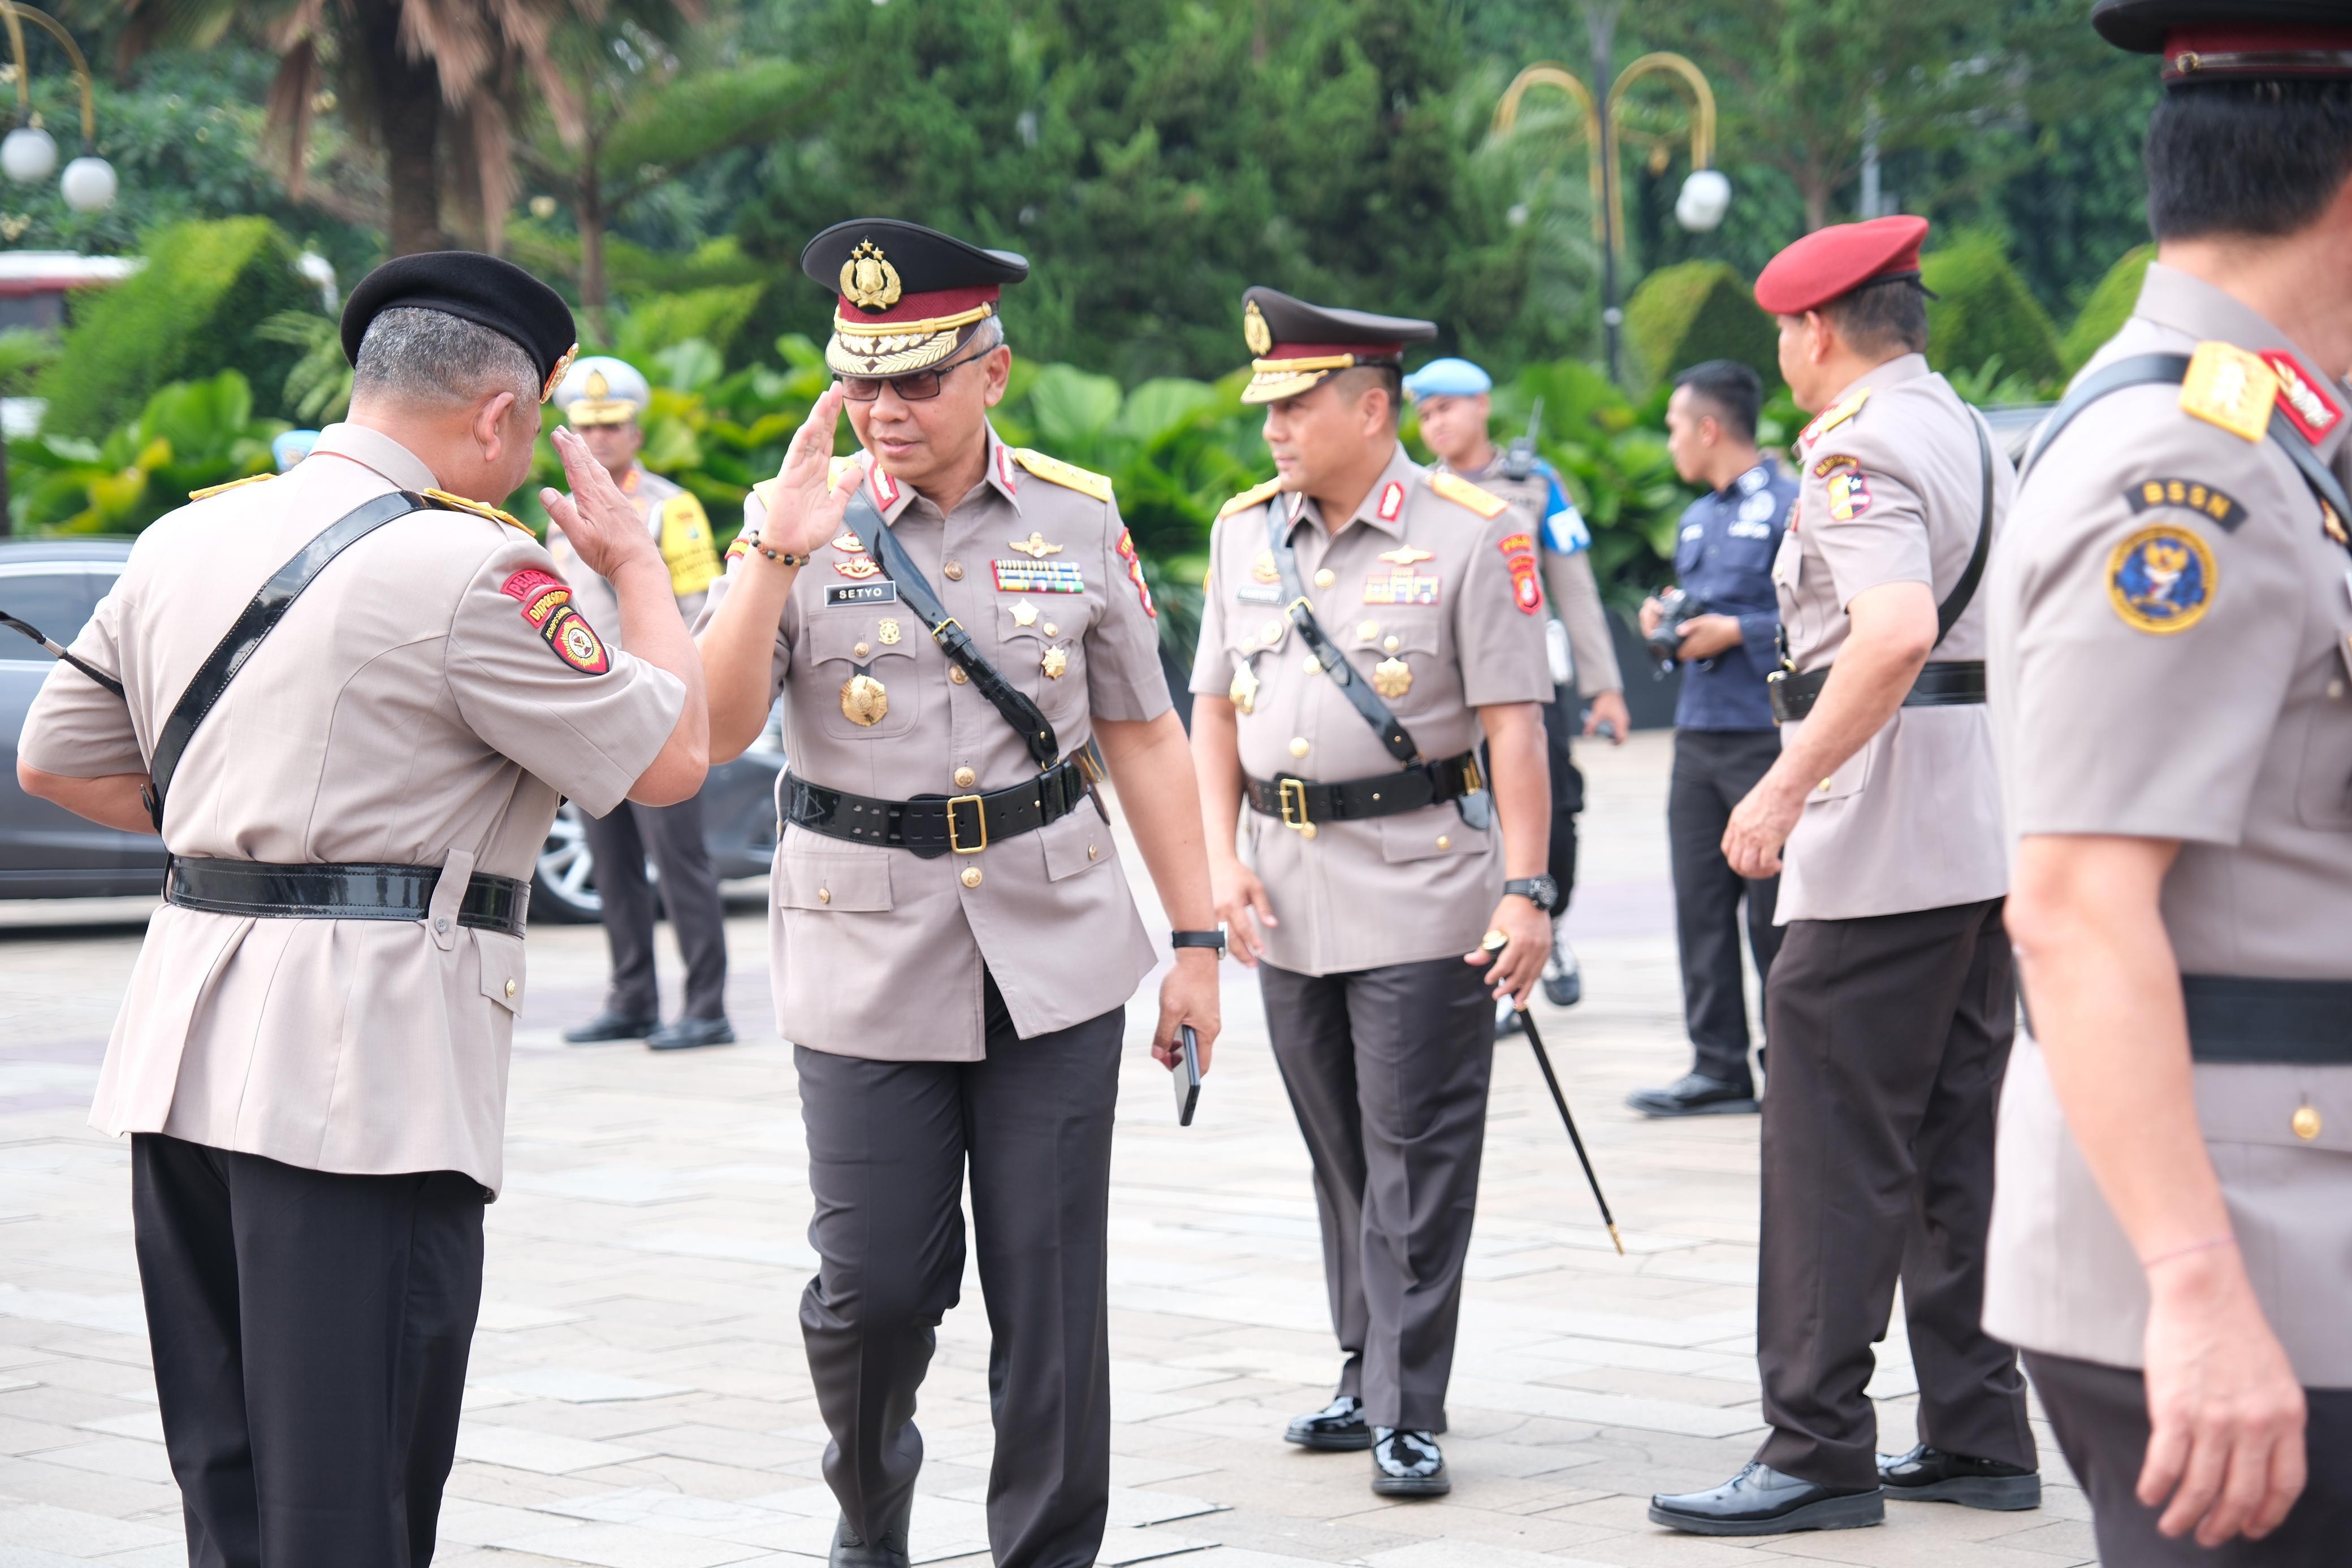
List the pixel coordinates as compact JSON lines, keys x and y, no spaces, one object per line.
{"x":341,"y":892}
{"x":2239,"y":1018}
{"x":1301,"y":803}
{"x":931,"y":825}
{"x":1954,"y":683}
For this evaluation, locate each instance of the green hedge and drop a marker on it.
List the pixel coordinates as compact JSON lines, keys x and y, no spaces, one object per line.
{"x":2103,"y":312}
{"x":1986,"y":311}
{"x":1693,"y":312}
{"x":189,"y":314}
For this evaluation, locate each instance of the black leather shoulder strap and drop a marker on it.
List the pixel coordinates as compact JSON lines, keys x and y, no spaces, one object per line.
{"x":260,"y":617}
{"x":1027,"y":719}
{"x":1335,"y":664}
{"x":1956,"y":603}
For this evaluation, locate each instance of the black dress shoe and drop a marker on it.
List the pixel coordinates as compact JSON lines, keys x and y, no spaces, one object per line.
{"x":611,"y":1026}
{"x":1931,"y":1475}
{"x":686,"y":1034}
{"x":1695,"y":1095}
{"x":1338,"y":1427}
{"x":1406,"y":1463}
{"x":1760,"y":1501}
{"x":851,"y":1550}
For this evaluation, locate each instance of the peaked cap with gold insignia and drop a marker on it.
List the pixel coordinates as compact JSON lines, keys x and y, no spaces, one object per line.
{"x":905,"y":297}
{"x":1298,"y":344}
{"x":600,"y":390}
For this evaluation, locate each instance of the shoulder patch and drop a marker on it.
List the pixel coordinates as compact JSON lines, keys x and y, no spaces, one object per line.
{"x":1830,"y":418}
{"x":2230,"y":388}
{"x":547,"y":610}
{"x":209,"y":491}
{"x":1255,"y":494}
{"x":1463,"y":493}
{"x":1520,"y":558}
{"x":449,"y":503}
{"x":1054,"y":470}
{"x":2161,"y":580}
{"x":2308,"y":408}
{"x":2193,"y":494}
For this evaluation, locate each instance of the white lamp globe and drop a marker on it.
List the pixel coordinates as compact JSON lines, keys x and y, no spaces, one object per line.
{"x":28,"y":154}
{"x":89,"y":185}
{"x":1706,"y":196}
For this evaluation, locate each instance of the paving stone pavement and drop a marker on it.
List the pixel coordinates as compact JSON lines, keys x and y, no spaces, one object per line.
{"x":638,"y":1395}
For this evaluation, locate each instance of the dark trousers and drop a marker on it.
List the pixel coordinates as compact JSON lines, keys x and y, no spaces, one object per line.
{"x":889,"y":1144}
{"x":2100,"y":1413}
{"x":1387,"y":1070}
{"x":1889,"y":1038}
{"x":672,"y":835}
{"x":1714,"y":771}
{"x":310,"y":1332}
{"x":1560,"y":722}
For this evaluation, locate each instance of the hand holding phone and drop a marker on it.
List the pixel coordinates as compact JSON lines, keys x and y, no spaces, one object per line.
{"x":1186,"y":1074}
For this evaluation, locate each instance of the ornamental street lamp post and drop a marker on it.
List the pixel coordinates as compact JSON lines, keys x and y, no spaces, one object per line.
{"x":1705,"y":193}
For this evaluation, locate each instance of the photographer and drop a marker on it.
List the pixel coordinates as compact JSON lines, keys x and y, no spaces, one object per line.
{"x":1724,"y":738}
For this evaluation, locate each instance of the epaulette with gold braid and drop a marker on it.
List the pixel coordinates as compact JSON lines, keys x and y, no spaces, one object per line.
{"x":209,"y":491}
{"x":1460,"y":491}
{"x":1054,"y":470}
{"x":449,"y":502}
{"x":1251,"y":498}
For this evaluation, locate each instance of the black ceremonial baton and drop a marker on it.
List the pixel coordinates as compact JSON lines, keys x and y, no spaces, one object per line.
{"x":103,"y":679}
{"x":1495,"y":943}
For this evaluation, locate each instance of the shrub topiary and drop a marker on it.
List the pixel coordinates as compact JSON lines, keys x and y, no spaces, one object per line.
{"x":2103,"y":312}
{"x":1693,"y":312}
{"x":190,"y":313}
{"x":1986,"y":310}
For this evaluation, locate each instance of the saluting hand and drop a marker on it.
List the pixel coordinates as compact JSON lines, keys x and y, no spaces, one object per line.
{"x":602,"y":524}
{"x":806,"y":509}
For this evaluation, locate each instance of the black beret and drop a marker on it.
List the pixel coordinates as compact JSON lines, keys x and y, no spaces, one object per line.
{"x":479,"y":288}
{"x":2212,"y":39}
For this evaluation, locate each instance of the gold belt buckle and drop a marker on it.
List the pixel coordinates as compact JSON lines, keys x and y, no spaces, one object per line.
{"x":979,"y":813}
{"x":1292,"y":792}
{"x":1472,"y":780}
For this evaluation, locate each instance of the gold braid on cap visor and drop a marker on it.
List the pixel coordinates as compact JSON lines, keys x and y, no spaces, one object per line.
{"x":1277,"y":379}
{"x":894,"y":348}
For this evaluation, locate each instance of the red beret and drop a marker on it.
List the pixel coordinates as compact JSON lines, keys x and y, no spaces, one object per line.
{"x":1837,"y":260}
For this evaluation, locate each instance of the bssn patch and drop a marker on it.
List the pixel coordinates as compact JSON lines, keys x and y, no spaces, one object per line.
{"x":2161,"y":580}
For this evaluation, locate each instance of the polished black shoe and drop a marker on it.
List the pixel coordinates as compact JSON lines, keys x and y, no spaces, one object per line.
{"x":687,"y":1034}
{"x":1695,"y":1095}
{"x":1406,"y":1463}
{"x":1931,"y":1475}
{"x":1760,"y":1501}
{"x":851,"y":1550}
{"x":1338,"y":1427}
{"x":610,"y":1026}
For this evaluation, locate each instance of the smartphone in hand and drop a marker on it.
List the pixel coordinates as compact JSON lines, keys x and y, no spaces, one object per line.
{"x":1186,"y":1074}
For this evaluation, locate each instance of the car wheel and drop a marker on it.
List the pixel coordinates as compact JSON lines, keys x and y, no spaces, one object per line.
{"x":563,"y":883}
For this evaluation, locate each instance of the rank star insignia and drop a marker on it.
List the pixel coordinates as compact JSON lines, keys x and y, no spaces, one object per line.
{"x":867,"y":279}
{"x":1406,"y":555}
{"x":1024,"y":613}
{"x":1392,"y":677}
{"x":1036,"y":547}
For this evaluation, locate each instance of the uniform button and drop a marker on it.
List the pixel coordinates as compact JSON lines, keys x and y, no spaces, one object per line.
{"x":1369,"y":630}
{"x":955,"y":673}
{"x":2335,"y":688}
{"x":1298,"y":746}
{"x":824,"y":896}
{"x":2305,"y":1123}
{"x":954,"y":571}
{"x":1445,"y":842}
{"x":971,"y":877}
{"x":1326,"y":577}
{"x":965,"y":777}
{"x":861,"y":649}
{"x":1392,"y":644}
{"x":1311,"y":664}
{"x":1052,"y":630}
{"x":441,"y":923}
{"x":1270,"y":634}
{"x":510,"y":987}
{"x":1825,"y":786}
{"x":1092,"y":852}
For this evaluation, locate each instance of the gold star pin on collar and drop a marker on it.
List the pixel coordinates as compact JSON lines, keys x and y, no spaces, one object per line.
{"x":1036,"y":547}
{"x":1406,"y":555}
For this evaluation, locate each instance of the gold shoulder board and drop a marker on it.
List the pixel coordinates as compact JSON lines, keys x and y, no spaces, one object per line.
{"x":840,"y":465}
{"x":1251,"y":498}
{"x":766,"y":489}
{"x":1830,"y":418}
{"x":449,"y":502}
{"x":209,"y":491}
{"x":2231,"y":388}
{"x":1455,"y":489}
{"x":1054,"y":470}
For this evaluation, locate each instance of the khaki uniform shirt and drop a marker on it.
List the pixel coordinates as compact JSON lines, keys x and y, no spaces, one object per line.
{"x":407,"y":711}
{"x":670,"y":509}
{"x":2169,"y":661}
{"x":1891,"y":492}
{"x":1573,"y":593}
{"x":1441,"y":585}
{"x":876,"y":952}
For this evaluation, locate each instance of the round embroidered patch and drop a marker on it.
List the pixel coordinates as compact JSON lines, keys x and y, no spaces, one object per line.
{"x":2161,"y":580}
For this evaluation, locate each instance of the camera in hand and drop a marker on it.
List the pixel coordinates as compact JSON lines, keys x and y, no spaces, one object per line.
{"x":1675,"y":608}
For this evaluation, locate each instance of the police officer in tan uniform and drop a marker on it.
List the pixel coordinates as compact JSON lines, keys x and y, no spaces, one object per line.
{"x":2171,"y":654}
{"x":600,"y":398}
{"x":950,"y":622}
{"x":312,"y":1058}
{"x":1893,"y":997}
{"x":1367,"y":622}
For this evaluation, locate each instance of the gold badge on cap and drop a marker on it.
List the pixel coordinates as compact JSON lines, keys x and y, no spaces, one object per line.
{"x":556,"y":377}
{"x":867,"y":279}
{"x":1253,"y":329}
{"x":1392,"y":677}
{"x":864,"y":701}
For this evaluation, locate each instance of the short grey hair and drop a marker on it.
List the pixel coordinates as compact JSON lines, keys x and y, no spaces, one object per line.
{"x":417,"y":355}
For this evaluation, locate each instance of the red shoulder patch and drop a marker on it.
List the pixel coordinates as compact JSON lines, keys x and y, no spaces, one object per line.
{"x":575,"y":642}
{"x":1527,"y":585}
{"x":1135,"y":572}
{"x":2308,"y":408}
{"x":541,"y":594}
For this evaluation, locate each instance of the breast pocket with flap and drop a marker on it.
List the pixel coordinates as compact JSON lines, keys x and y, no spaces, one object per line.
{"x":866,"y":668}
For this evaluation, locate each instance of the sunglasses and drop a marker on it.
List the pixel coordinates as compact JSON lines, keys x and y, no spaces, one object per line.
{"x":916,"y":386}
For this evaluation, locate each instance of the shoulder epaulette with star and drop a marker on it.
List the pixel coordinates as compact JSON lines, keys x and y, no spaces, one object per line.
{"x":1463,"y":493}
{"x":1054,"y":470}
{"x":209,"y":491}
{"x":1250,"y":498}
{"x":450,"y":503}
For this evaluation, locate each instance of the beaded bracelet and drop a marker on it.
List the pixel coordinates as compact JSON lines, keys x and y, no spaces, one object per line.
{"x":782,"y":558}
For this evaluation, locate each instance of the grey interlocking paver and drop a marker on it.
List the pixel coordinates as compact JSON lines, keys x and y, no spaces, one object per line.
{"x":639,"y":1397}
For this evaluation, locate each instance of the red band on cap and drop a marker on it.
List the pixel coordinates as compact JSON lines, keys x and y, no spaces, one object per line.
{"x":1333,"y":350}
{"x":922,"y":307}
{"x":2179,"y":41}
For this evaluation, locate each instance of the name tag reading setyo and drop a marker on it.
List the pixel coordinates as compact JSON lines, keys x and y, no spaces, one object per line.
{"x":861,"y":593}
{"x":1038,"y":576}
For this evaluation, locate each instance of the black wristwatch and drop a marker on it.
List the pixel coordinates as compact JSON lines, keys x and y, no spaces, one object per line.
{"x":1541,"y":891}
{"x":1197,"y":939}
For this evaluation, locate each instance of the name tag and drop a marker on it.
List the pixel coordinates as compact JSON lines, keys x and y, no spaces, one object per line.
{"x":861,"y":593}
{"x":1038,"y":576}
{"x":1259,"y":594}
